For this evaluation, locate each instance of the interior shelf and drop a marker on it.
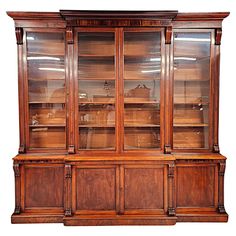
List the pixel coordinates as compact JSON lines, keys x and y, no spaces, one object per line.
{"x":47,"y":125}
{"x":190,"y":125}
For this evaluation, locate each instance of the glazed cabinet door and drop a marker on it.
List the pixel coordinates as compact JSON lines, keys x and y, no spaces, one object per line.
{"x":193,"y":75}
{"x":96,"y":85}
{"x":141,"y":68}
{"x":45,"y":83}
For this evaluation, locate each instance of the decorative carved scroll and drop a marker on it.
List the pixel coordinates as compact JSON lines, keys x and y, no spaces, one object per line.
{"x":218,"y":34}
{"x":216,"y":148}
{"x":19,"y":35}
{"x":221,"y":208}
{"x":69,"y":35}
{"x":68,"y":179}
{"x":71,"y":149}
{"x":168,"y":34}
{"x":21,"y":149}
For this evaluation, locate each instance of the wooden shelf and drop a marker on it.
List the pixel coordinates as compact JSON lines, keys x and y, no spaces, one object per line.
{"x":97,"y":56}
{"x":97,"y":126}
{"x":45,"y":102}
{"x":47,"y":125}
{"x":140,"y":102}
{"x":140,"y":125}
{"x":190,"y":125}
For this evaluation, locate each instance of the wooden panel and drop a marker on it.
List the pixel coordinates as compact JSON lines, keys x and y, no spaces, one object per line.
{"x":95,"y":189}
{"x":144,"y":188}
{"x":43,"y":187}
{"x":195,"y":186}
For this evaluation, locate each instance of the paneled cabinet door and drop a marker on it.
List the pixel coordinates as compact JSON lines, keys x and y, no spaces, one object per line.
{"x":145,"y":189}
{"x":42,"y":187}
{"x":46,"y":100}
{"x":192,"y":108}
{"x":94,"y":189}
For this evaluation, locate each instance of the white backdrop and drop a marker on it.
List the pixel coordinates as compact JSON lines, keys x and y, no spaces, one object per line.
{"x":9,"y":114}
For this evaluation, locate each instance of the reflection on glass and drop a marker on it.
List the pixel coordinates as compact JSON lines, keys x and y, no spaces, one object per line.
{"x":191,"y":89}
{"x":96,"y":90}
{"x":142,"y":70}
{"x":46,"y":85}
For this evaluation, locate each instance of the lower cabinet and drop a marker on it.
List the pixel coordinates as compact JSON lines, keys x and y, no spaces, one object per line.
{"x":119,"y":192}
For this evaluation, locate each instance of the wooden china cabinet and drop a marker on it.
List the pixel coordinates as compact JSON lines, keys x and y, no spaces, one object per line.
{"x":118,"y":118}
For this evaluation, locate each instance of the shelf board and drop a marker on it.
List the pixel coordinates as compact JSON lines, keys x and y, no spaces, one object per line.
{"x":46,"y":102}
{"x":97,"y":102}
{"x":97,"y":56}
{"x":51,"y":79}
{"x":137,"y":125}
{"x":97,"y":126}
{"x":95,"y":78}
{"x":191,"y":125}
{"x":191,"y":103}
{"x":47,"y":125}
{"x":140,"y":102}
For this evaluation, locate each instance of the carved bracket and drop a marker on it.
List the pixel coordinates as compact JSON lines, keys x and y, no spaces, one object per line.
{"x":17,"y":210}
{"x":171,"y":170}
{"x":216,"y":148}
{"x":68,"y":212}
{"x":16,"y":168}
{"x":69,"y":35}
{"x":68,"y":173}
{"x":168,"y":35}
{"x":21,"y":149}
{"x":167,"y":149}
{"x":19,"y":35}
{"x":222,"y":169}
{"x":71,"y":149}
{"x":171,"y":211}
{"x":218,"y":34}
{"x":221,"y":209}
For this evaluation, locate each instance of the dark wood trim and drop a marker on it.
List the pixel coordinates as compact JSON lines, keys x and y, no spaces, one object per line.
{"x":221,"y":207}
{"x":68,"y":190}
{"x":17,"y":172}
{"x":171,"y":189}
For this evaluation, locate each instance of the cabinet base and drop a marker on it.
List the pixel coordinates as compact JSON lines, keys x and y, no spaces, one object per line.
{"x":202,"y":217}
{"x":119,"y":220}
{"x":35,"y":218}
{"x":96,"y":220}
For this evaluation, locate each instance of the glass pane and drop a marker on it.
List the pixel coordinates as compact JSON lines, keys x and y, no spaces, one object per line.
{"x":97,"y":138}
{"x":96,"y":90}
{"x":191,"y":89}
{"x":142,"y":70}
{"x":46,"y":85}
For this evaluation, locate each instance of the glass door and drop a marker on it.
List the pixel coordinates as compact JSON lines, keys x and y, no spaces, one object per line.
{"x":46,"y":90}
{"x":142,"y":73}
{"x":192,"y":64}
{"x":96,"y":88}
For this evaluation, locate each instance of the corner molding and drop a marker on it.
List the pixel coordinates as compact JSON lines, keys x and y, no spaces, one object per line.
{"x":69,"y":35}
{"x":168,"y":34}
{"x":167,"y":149}
{"x":19,"y":35}
{"x":218,"y":34}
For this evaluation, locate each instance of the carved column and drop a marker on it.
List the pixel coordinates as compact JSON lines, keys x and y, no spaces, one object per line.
{"x":167,"y":94}
{"x":70,"y":87}
{"x":68,"y":192}
{"x":16,"y":168}
{"x":19,"y":41}
{"x":171,"y":189}
{"x":221,"y":207}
